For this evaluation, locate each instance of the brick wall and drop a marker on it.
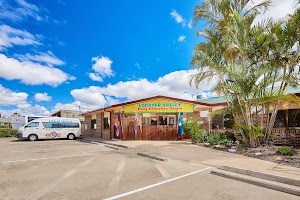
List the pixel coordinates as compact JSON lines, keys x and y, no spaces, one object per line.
{"x":87,"y":122}
{"x":203,"y":120}
{"x":99,"y":131}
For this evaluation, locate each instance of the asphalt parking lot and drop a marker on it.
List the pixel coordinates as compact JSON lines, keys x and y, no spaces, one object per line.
{"x":63,"y":169}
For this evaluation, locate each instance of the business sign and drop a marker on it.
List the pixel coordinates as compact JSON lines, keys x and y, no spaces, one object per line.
{"x":159,"y":105}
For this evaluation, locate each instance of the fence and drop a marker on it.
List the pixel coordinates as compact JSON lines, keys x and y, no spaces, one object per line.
{"x":150,"y":132}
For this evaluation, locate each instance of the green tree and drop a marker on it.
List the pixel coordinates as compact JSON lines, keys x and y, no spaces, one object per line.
{"x":247,"y":59}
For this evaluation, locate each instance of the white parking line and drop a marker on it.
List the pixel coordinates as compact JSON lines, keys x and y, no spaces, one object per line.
{"x":156,"y":184}
{"x":34,"y":159}
{"x":113,"y":186}
{"x":58,"y":181}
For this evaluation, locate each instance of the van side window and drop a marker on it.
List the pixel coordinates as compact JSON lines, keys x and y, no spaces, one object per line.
{"x":60,"y":125}
{"x":47,"y":124}
{"x":71,"y":125}
{"x":33,"y":124}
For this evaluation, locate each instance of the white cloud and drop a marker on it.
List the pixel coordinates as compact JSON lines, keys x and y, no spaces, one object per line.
{"x":181,"y":38}
{"x":76,"y":105}
{"x":90,"y":96}
{"x":190,"y":24}
{"x":37,"y":110}
{"x":279,"y":9}
{"x":42,"y":97}
{"x":137,"y":65}
{"x":10,"y":36}
{"x":102,"y":68}
{"x":24,"y":105}
{"x":178,"y":18}
{"x":34,"y":110}
{"x":174,"y":84}
{"x":31,"y":73}
{"x":95,"y":77}
{"x":9,"y":97}
{"x":19,"y":11}
{"x":48,"y":58}
{"x":28,"y":5}
{"x":19,"y":99}
{"x":27,"y":110}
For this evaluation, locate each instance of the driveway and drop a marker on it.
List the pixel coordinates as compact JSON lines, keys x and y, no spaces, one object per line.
{"x":63,"y":169}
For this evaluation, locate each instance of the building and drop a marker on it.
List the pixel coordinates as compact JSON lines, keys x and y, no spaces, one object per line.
{"x":19,"y":120}
{"x":5,"y":122}
{"x":69,"y":114}
{"x":286,"y":128}
{"x":157,"y":118}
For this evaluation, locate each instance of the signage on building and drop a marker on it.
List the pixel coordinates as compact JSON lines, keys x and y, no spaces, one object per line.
{"x":159,"y":106}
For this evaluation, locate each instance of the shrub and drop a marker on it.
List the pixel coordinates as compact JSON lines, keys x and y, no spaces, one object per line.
{"x":6,"y":132}
{"x":191,"y":127}
{"x":286,"y":151}
{"x":214,"y":139}
{"x":219,"y":138}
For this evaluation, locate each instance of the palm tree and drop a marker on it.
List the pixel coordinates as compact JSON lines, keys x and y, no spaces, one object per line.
{"x":245,"y":58}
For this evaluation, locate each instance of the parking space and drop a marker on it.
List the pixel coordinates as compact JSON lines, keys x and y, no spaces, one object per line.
{"x":63,"y":169}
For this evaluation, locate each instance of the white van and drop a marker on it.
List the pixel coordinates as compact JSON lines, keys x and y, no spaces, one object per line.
{"x":50,"y":128}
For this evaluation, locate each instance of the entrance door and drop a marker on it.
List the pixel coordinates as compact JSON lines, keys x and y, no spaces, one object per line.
{"x":117,"y":133}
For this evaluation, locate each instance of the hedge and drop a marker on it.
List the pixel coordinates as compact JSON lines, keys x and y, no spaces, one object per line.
{"x":6,"y":132}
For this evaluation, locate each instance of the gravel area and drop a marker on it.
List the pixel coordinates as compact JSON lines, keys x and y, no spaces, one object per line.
{"x":267,"y":153}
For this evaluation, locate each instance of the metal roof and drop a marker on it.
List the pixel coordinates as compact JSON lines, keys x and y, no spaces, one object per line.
{"x":218,"y":100}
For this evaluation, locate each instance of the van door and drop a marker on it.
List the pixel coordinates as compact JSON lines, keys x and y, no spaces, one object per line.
{"x":32,"y":128}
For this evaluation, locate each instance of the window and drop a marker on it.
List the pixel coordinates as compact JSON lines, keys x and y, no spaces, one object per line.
{"x":47,"y":124}
{"x":105,"y":123}
{"x":217,"y":122}
{"x":280,"y":120}
{"x":33,"y":124}
{"x":71,"y":125}
{"x":294,"y":118}
{"x":93,"y":124}
{"x":60,"y":125}
{"x":57,"y":125}
{"x":146,"y":120}
{"x":171,"y":121}
{"x":153,"y":121}
{"x":228,"y":121}
{"x":162,"y":120}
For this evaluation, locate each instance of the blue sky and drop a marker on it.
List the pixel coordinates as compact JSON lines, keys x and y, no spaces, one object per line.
{"x":62,"y":54}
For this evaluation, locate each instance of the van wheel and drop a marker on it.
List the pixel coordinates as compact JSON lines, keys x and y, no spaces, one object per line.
{"x":32,"y":137}
{"x":71,"y":136}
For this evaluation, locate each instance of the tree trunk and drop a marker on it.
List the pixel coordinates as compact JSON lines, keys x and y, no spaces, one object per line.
{"x":271,"y":122}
